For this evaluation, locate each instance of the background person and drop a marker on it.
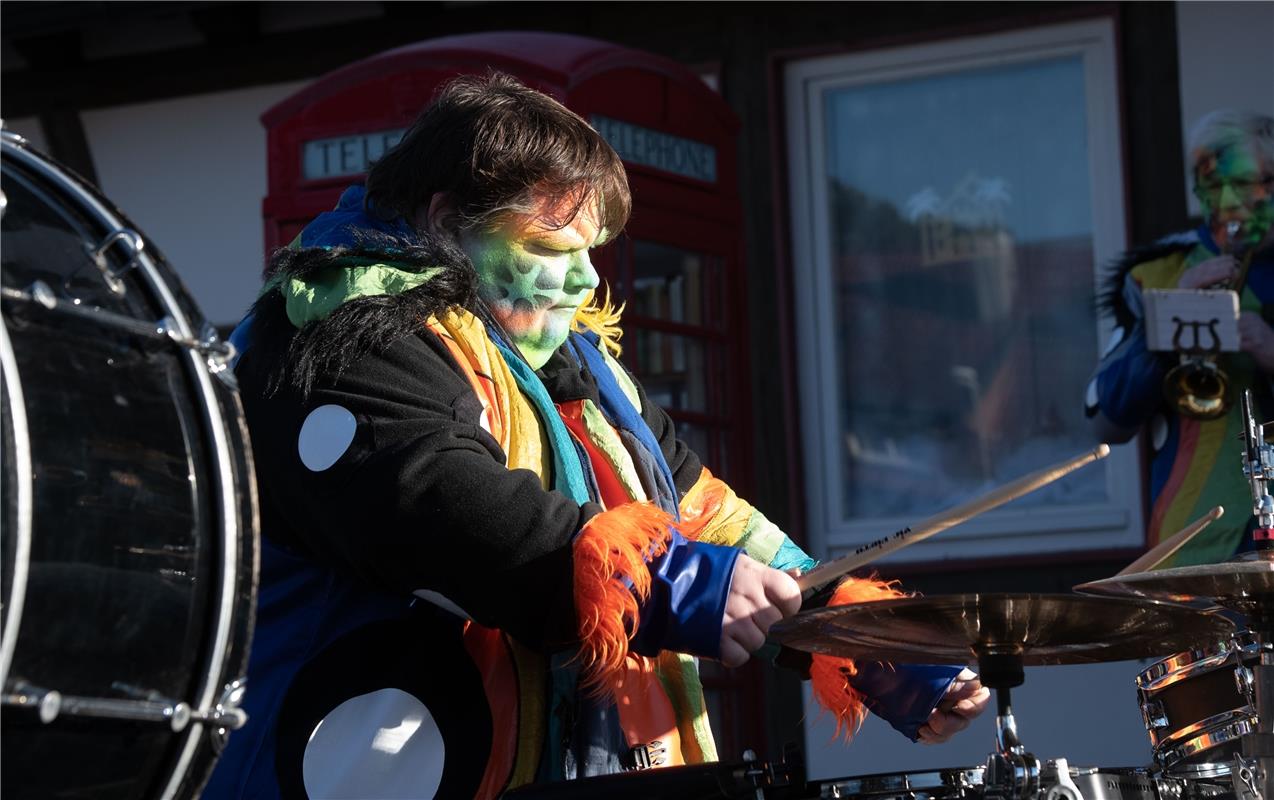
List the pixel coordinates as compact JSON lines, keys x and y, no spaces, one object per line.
{"x":1196,"y":463}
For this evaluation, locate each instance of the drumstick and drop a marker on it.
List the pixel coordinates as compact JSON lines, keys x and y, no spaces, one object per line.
{"x":1162,"y":551}
{"x":825,"y":573}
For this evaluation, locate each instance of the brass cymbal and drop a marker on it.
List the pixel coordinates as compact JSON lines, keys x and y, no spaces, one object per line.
{"x":1039,"y":628}
{"x":1246,"y":585}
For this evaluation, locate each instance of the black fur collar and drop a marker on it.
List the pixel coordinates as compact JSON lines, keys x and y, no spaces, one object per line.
{"x":1110,"y":295}
{"x":360,"y":326}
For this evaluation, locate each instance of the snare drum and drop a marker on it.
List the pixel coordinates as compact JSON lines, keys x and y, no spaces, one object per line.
{"x":1198,"y":703}
{"x":129,"y":529}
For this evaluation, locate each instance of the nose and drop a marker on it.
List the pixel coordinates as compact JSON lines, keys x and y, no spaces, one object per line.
{"x":581,"y":277}
{"x":1229,"y":198}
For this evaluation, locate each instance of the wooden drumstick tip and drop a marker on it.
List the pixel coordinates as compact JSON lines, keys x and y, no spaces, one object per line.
{"x":1102,"y":450}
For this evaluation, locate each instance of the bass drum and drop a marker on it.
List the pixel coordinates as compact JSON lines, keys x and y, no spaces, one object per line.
{"x":129,"y":538}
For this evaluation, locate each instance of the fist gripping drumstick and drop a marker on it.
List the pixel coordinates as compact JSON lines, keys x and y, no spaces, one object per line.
{"x":826,"y":573}
{"x":1156,"y":555}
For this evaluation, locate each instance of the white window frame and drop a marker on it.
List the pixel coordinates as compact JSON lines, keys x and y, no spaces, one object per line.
{"x":1116,"y":524}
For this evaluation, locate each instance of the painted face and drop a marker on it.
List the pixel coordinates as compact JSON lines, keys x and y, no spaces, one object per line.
{"x":1233,"y":187}
{"x":535,"y":273}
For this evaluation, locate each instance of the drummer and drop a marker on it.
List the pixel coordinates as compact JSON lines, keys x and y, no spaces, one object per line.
{"x":487,"y":559}
{"x":1196,"y":463}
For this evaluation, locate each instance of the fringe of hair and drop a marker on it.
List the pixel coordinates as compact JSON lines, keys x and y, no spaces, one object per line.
{"x":829,"y":675}
{"x":611,"y":580}
{"x":602,"y":319}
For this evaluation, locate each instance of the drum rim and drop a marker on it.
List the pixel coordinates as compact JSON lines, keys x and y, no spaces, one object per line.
{"x":954,"y":777}
{"x":1205,"y":735}
{"x":217,"y":662}
{"x":22,"y":459}
{"x":1163,"y":673}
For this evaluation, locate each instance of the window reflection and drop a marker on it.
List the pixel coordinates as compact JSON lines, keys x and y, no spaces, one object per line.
{"x":962,"y":257}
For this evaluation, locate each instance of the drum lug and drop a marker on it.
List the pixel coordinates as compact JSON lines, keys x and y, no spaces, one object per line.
{"x":1245,"y":682}
{"x":133,"y":245}
{"x":1153,"y":715}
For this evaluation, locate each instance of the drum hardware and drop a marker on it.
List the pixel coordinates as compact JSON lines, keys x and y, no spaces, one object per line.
{"x":47,"y":704}
{"x":113,"y":276}
{"x":217,"y":354}
{"x":1245,"y":778}
{"x":142,"y":706}
{"x":1258,"y":462}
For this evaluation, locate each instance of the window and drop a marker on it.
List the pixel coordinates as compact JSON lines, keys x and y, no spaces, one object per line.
{"x":952,"y":203}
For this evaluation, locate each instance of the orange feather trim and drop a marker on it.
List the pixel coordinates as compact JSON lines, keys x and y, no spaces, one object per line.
{"x":613,"y":546}
{"x":829,"y":675}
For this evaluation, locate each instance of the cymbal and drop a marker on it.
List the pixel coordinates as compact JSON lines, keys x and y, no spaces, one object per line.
{"x":1246,"y":586}
{"x":1039,"y":628}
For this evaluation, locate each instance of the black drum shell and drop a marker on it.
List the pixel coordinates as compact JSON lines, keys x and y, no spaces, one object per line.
{"x":141,"y":578}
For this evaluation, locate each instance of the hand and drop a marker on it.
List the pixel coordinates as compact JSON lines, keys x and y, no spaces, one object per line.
{"x":1207,"y":273}
{"x":966,"y":697}
{"x":1257,"y":339}
{"x":759,"y":597}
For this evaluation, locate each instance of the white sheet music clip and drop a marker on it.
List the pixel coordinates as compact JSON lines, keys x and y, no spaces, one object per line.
{"x":1195,"y":321}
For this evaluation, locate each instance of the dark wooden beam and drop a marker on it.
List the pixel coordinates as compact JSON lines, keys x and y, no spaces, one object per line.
{"x":1152,"y":121}
{"x":67,"y":142}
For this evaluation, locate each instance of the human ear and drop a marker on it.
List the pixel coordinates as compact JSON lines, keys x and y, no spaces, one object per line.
{"x":438,"y":216}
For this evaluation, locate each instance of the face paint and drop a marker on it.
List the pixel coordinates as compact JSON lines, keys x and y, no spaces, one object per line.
{"x":1233,"y":187}
{"x":534,"y":274}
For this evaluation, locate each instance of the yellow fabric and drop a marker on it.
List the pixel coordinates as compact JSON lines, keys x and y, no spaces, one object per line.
{"x":521,"y":436}
{"x":679,"y":675}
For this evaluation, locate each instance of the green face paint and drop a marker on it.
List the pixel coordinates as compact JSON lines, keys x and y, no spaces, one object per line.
{"x":534,"y":276}
{"x":1233,"y":187}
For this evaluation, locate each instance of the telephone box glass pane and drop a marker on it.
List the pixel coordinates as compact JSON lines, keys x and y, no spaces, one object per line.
{"x":962,"y":258}
{"x":669,"y":284}
{"x":679,"y":373}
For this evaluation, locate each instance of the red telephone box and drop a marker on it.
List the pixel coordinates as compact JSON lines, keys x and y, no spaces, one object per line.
{"x":677,"y":268}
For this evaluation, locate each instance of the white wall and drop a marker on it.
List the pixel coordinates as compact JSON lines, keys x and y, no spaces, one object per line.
{"x":191,"y":173}
{"x":1226,"y":59}
{"x":1087,"y":714}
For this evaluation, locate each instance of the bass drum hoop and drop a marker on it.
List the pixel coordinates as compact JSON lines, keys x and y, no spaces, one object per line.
{"x":215,"y":423}
{"x":22,"y":536}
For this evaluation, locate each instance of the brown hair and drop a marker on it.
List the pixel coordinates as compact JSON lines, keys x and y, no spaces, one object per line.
{"x":497,"y":146}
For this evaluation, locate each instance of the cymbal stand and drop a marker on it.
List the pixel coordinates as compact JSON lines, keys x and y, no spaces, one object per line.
{"x":1011,"y":772}
{"x":1253,"y":772}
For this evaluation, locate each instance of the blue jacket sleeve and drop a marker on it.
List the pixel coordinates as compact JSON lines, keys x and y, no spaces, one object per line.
{"x":688,"y":590}
{"x":903,"y":694}
{"x":1129,"y":379}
